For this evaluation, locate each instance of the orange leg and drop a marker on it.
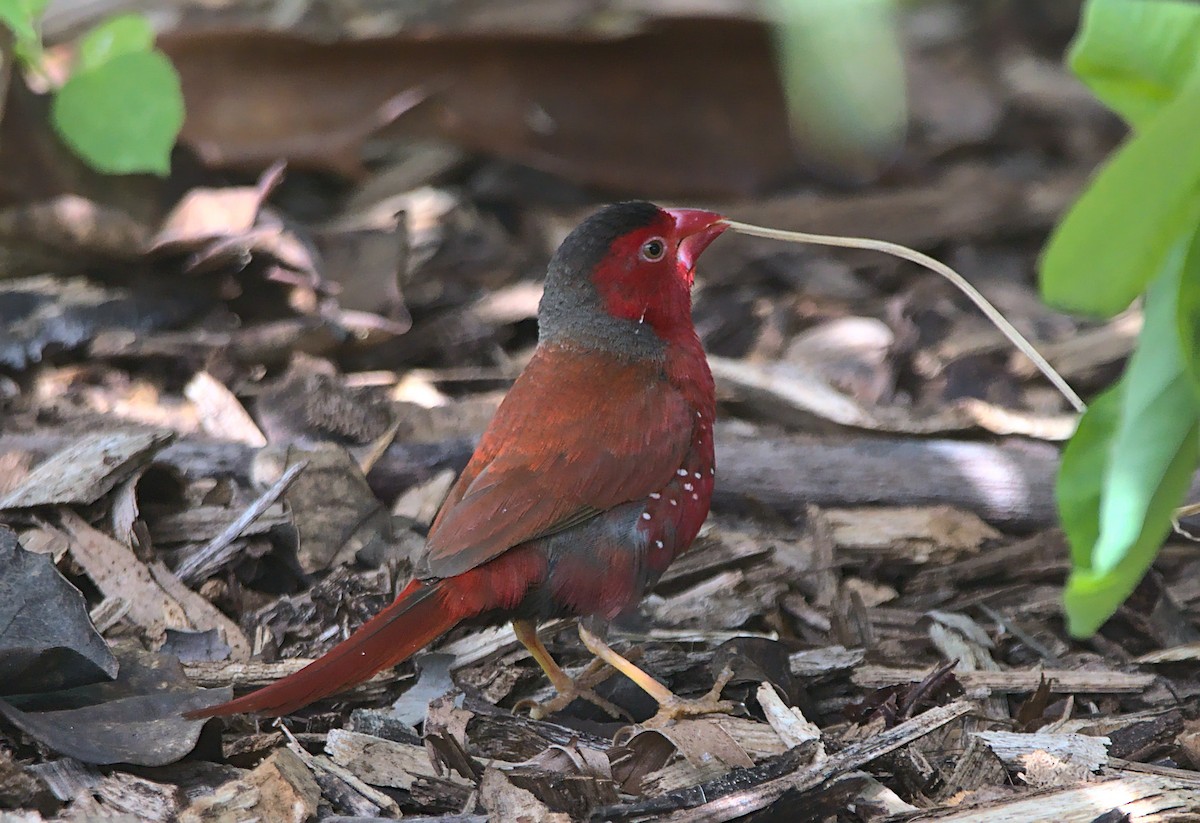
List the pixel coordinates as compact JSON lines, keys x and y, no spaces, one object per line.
{"x":567,"y":688}
{"x":670,"y":707}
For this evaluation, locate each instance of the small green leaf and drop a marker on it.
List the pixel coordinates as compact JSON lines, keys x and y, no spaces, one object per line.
{"x":1154,"y":445}
{"x":842,"y":69}
{"x":1116,"y":237}
{"x":123,"y":116}
{"x":1136,"y":55}
{"x":119,"y":35}
{"x":1081,"y":474}
{"x":20,"y":16}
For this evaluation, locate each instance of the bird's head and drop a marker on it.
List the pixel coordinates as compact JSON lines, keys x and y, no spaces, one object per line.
{"x":622,"y":279}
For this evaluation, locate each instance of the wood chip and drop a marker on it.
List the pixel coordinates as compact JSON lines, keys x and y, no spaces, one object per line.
{"x":1130,"y":798}
{"x":87,"y":469}
{"x":280,"y":789}
{"x":378,"y":761}
{"x":1061,"y":680}
{"x":1081,"y":749}
{"x":504,"y":801}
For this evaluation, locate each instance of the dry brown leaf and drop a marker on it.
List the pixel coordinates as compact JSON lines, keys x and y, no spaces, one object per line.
{"x":335,"y":512}
{"x":157,"y":600}
{"x":220,"y":413}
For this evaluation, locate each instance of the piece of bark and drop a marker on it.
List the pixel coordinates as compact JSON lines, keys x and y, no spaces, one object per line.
{"x":505,"y":801}
{"x":378,"y":761}
{"x":1010,"y":485}
{"x":280,"y":789}
{"x":1061,"y":680}
{"x":86,"y":468}
{"x":1081,"y":749}
{"x":1130,"y":798}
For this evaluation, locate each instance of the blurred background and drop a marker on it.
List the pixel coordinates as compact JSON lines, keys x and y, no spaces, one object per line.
{"x":437,"y":151}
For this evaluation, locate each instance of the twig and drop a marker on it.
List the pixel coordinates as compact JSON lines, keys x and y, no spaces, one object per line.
{"x":760,"y":786}
{"x":220,"y":550}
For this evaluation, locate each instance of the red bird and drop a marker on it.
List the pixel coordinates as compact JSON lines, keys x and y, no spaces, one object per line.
{"x":595,"y":473}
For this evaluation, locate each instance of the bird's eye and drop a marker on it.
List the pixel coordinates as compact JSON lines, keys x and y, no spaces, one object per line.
{"x":653,"y":250}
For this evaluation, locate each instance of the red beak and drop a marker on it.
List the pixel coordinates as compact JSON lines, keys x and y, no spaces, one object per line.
{"x":695,"y":230}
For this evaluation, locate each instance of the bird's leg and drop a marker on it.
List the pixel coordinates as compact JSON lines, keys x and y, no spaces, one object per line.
{"x":670,"y":707}
{"x":568,"y":689}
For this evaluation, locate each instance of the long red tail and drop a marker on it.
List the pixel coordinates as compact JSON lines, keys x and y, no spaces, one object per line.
{"x":417,"y":617}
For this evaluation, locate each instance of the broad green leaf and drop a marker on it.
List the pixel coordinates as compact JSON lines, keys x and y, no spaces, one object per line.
{"x":123,"y":116}
{"x":1136,"y":55}
{"x":1116,"y":237}
{"x":1154,"y":445}
{"x":1158,"y":416}
{"x":841,"y":64}
{"x":1188,"y":310}
{"x":1081,"y":473}
{"x":112,"y":38}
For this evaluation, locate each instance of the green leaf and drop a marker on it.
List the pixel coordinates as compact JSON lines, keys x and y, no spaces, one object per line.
{"x":1154,"y":448}
{"x":841,"y":64}
{"x":1081,"y":474}
{"x":119,"y":35}
{"x":20,"y":16}
{"x":1116,"y":237}
{"x":1188,"y":312}
{"x":123,"y":116}
{"x":1136,"y":55}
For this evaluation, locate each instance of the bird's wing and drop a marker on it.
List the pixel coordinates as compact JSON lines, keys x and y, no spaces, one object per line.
{"x":578,"y":434}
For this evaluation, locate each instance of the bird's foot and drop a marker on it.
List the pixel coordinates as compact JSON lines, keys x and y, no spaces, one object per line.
{"x":582,"y":688}
{"x":673,"y":708}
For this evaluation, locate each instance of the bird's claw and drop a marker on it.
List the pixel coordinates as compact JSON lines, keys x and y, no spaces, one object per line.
{"x":540,"y":711}
{"x":581,"y":687}
{"x":677,"y":707}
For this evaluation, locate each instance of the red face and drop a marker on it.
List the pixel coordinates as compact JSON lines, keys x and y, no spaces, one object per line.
{"x":647,"y":274}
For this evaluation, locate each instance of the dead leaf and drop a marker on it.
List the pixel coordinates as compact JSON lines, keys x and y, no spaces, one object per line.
{"x":335,"y":512}
{"x":157,"y":599}
{"x":211,"y":214}
{"x":47,"y":641}
{"x":137,"y":718}
{"x":705,"y":746}
{"x":220,"y":413}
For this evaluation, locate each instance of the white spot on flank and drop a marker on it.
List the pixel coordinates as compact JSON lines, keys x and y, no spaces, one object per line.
{"x":655,"y":495}
{"x":687,"y":487}
{"x":674,"y":502}
{"x":695,"y":497}
{"x":645,"y":515}
{"x":696,"y":475}
{"x":658,"y":543}
{"x":682,"y":472}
